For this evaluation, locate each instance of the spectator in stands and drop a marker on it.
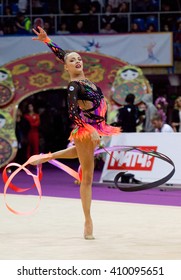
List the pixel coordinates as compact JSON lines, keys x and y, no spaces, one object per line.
{"x":150,"y":111}
{"x":123,"y":7}
{"x":108,"y":17}
{"x":135,"y":28}
{"x":166,"y":28}
{"x":23,"y":24}
{"x":33,"y":134}
{"x":161,"y":105}
{"x":38,"y":22}
{"x":165,"y":6}
{"x":48,"y":28}
{"x":80,"y":27}
{"x":98,"y":4}
{"x":176,"y":115}
{"x":121,"y":24}
{"x":159,"y":125}
{"x":151,"y":28}
{"x":76,"y":9}
{"x":108,"y":29}
{"x":93,"y":19}
{"x":63,"y":29}
{"x":114,"y":5}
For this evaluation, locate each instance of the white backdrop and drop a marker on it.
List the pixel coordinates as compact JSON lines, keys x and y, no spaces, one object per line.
{"x":144,"y":167}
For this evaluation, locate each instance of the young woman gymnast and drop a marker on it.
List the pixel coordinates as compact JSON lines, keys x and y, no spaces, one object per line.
{"x":87,"y":109}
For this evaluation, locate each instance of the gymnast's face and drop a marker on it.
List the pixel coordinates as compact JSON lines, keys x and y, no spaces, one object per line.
{"x":73,"y":63}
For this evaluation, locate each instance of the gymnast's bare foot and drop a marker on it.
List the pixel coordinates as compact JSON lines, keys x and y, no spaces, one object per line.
{"x":88,"y":230}
{"x":39,"y":159}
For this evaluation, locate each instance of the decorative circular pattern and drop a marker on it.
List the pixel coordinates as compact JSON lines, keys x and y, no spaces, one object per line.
{"x":5,"y":151}
{"x":5,"y":95}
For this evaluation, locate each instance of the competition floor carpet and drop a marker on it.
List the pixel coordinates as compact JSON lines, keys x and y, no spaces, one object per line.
{"x":128,"y":226}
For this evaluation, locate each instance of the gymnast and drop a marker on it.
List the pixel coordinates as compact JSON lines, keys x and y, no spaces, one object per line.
{"x":87,"y":109}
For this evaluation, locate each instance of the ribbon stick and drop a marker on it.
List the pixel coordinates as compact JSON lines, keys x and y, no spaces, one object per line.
{"x":78,"y":175}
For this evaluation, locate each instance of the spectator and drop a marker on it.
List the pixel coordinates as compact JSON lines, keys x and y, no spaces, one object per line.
{"x":123,"y":7}
{"x":121,"y":24}
{"x":108,"y":17}
{"x":166,"y":28}
{"x":93,"y":19}
{"x":176,"y":115}
{"x":165,"y":6}
{"x":159,"y":125}
{"x":38,"y":22}
{"x":128,"y":115}
{"x":48,"y":28}
{"x":80,"y":27}
{"x":76,"y":9}
{"x":63,"y":29}
{"x":114,"y":5}
{"x":161,"y":105}
{"x":150,"y":111}
{"x":151,"y":28}
{"x":108,"y":29}
{"x":97,"y":5}
{"x":112,"y":112}
{"x":33,"y":134}
{"x":23,"y":24}
{"x":135,"y":28}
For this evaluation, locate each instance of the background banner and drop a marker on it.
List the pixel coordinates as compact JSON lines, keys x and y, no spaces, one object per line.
{"x":145,"y":168}
{"x":155,"y":49}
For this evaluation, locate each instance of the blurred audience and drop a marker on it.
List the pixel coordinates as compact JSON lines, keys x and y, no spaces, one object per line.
{"x":176,"y":115}
{"x":63,"y":29}
{"x":95,"y":15}
{"x":159,"y":125}
{"x":23,"y":24}
{"x":149,"y":112}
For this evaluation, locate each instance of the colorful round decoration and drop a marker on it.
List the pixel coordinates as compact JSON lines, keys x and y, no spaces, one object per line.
{"x":5,"y":151}
{"x":6,"y":95}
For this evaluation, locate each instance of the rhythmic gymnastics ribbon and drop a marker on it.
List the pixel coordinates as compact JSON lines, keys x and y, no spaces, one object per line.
{"x":78,"y":175}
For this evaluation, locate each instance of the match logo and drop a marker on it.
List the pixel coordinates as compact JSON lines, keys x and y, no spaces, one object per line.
{"x":132,"y":160}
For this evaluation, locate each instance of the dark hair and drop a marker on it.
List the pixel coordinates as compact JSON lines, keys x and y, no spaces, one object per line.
{"x":130,"y":98}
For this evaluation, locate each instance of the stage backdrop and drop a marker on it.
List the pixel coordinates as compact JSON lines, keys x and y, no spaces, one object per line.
{"x":141,"y":49}
{"x":144,"y":167}
{"x":28,"y":75}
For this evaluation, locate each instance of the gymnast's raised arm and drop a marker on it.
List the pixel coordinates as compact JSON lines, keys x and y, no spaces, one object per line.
{"x":43,"y":37}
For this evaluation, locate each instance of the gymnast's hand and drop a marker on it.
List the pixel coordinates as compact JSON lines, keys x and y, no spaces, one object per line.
{"x":95,"y":138}
{"x":42,"y":35}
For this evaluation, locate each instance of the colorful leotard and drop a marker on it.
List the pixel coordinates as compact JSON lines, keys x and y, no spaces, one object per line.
{"x":85,"y":120}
